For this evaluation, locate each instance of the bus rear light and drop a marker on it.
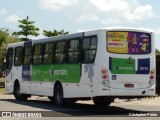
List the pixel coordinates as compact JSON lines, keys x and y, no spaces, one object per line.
{"x":105,"y":89}
{"x":151,"y":77}
{"x":151,"y":83}
{"x":104,"y":74}
{"x":152,"y":72}
{"x":105,"y":83}
{"x":105,"y":77}
{"x":104,"y":71}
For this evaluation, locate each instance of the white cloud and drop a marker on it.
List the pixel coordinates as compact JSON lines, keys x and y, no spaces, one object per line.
{"x":3,"y":11}
{"x":143,"y":12}
{"x":110,"y":12}
{"x":56,"y":4}
{"x":157,"y":36}
{"x":157,"y":31}
{"x":109,"y":5}
{"x":120,"y":11}
{"x":13,"y":18}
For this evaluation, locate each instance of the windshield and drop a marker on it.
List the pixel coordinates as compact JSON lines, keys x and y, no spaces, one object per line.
{"x":128,"y":42}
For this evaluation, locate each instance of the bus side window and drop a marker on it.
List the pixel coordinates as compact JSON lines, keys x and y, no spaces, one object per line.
{"x":60,"y":54}
{"x":48,"y":53}
{"x":37,"y":54}
{"x":18,"y":56}
{"x":73,"y":51}
{"x":27,"y":55}
{"x":9,"y":60}
{"x":89,"y":49}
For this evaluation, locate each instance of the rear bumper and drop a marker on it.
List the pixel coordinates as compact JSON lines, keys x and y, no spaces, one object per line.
{"x":127,"y":92}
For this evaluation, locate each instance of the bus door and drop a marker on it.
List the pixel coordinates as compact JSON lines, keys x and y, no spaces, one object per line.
{"x":27,"y":67}
{"x":8,"y":71}
{"x":88,"y":68}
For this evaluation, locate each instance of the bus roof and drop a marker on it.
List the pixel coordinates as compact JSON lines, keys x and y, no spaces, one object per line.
{"x":79,"y":35}
{"x":56,"y":38}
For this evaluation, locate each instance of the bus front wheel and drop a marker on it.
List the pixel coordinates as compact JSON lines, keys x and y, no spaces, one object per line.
{"x":17,"y":94}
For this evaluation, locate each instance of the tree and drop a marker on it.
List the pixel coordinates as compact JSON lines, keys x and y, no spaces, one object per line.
{"x":54,"y":33}
{"x":5,"y":38}
{"x":157,"y":52}
{"x":27,"y":28}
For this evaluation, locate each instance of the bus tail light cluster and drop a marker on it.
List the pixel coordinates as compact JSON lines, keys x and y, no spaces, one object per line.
{"x":152,"y":78}
{"x":105,"y":77}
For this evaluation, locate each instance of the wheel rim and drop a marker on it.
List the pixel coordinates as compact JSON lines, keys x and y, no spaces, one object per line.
{"x":59,"y":96}
{"x":18,"y":91}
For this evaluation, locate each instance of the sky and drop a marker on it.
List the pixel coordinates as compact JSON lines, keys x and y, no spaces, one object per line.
{"x":79,"y":15}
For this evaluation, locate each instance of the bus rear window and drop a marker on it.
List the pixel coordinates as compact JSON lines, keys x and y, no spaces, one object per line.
{"x":128,"y":42}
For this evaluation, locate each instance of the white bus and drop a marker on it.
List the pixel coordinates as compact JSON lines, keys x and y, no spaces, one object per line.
{"x":101,"y":65}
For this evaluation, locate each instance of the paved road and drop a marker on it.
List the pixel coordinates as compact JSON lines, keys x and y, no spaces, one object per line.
{"x":119,"y":108}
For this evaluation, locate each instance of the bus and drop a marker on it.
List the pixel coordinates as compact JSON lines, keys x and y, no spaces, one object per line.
{"x":98,"y":65}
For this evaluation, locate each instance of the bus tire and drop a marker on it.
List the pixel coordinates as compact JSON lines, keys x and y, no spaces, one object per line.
{"x":51,"y":98}
{"x":101,"y":101}
{"x":17,"y":94}
{"x":58,"y":95}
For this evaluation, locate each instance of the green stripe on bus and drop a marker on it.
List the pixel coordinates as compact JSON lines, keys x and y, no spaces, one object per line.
{"x":123,"y":66}
{"x":69,"y":73}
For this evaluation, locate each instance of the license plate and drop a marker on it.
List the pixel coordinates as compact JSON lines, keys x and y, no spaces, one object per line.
{"x":129,"y":85}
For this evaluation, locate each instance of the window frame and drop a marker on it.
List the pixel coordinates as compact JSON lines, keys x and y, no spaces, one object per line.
{"x":83,"y":50}
{"x":15,"y":55}
{"x":41,"y":54}
{"x":10,"y":65}
{"x":79,"y":51}
{"x":61,"y":52}
{"x":31,"y":51}
{"x":130,"y":53}
{"x":52,"y":53}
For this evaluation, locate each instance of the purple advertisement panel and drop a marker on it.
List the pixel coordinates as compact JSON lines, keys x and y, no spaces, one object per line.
{"x":26,"y":73}
{"x":139,"y":43}
{"x":26,"y":69}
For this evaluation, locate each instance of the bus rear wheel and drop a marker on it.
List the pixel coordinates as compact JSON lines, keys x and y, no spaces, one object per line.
{"x":17,"y":94}
{"x":101,"y":101}
{"x":58,"y":95}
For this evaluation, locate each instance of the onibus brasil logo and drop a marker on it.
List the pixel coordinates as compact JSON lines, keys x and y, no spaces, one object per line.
{"x":58,"y":71}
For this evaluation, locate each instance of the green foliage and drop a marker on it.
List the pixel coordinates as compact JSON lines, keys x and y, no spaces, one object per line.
{"x":27,"y":28}
{"x":5,"y":38}
{"x":157,"y":52}
{"x":3,"y":35}
{"x":54,"y":33}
